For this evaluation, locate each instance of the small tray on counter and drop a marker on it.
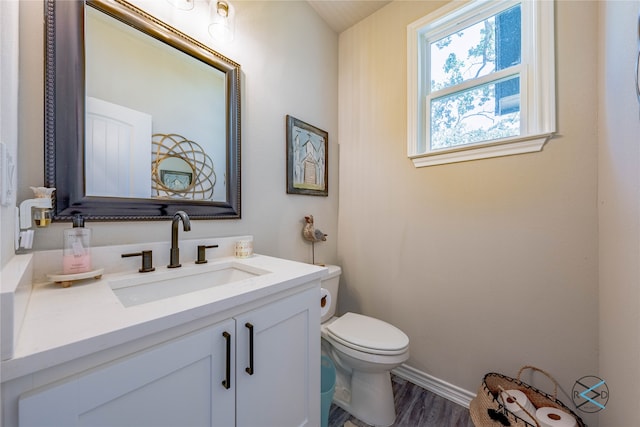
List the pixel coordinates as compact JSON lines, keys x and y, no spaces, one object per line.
{"x":67,"y":279}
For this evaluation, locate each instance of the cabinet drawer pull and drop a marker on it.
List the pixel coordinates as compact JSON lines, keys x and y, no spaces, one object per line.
{"x":227,"y":382}
{"x":249,"y":370}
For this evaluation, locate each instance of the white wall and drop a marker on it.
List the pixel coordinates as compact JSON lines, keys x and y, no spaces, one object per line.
{"x":288,"y":57}
{"x":619,"y":204}
{"x":8,"y":114}
{"x":487,"y":265}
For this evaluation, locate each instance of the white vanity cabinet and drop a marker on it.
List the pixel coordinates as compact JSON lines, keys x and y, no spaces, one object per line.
{"x":283,"y":387}
{"x":172,"y":384}
{"x":258,"y":368}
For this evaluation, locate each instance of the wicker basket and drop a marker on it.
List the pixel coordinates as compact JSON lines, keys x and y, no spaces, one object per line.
{"x":488,"y":410}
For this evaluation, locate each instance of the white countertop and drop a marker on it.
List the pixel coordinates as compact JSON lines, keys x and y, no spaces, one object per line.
{"x":62,"y":324}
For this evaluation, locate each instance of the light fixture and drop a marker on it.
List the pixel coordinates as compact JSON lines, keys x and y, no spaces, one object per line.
{"x":182,"y":4}
{"x":222,"y":24}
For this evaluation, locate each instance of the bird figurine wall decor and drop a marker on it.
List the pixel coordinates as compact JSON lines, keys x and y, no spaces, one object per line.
{"x":312,"y":234}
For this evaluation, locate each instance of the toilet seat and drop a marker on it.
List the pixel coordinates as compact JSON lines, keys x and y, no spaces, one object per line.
{"x":367,"y":334}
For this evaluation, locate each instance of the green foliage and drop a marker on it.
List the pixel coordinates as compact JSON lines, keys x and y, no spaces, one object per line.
{"x":468,"y":116}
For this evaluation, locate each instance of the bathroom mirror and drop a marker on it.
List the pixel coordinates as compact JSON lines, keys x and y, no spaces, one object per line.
{"x":137,"y":136}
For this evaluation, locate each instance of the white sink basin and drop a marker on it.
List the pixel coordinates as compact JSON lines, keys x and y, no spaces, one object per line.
{"x":142,"y":288}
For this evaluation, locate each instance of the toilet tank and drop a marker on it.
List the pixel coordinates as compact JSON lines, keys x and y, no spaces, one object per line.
{"x":331,"y":282}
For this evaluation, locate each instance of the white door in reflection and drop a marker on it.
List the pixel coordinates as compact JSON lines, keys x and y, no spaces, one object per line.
{"x":118,"y":154}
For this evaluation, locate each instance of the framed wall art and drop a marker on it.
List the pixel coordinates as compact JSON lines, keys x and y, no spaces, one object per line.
{"x":307,"y":165}
{"x":176,"y":180}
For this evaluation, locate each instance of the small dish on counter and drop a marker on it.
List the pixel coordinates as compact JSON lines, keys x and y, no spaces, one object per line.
{"x":67,"y":279}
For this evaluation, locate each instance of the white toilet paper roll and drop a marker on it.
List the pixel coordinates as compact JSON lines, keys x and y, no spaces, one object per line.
{"x":510,"y":397}
{"x":552,"y":417}
{"x":325,"y":301}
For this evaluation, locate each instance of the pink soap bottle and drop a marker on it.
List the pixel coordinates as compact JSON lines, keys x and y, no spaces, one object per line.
{"x":76,"y":253}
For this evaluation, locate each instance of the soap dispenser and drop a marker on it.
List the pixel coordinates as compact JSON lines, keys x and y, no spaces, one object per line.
{"x":76,"y":256}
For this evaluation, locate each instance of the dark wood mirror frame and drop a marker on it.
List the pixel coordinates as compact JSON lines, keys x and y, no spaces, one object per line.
{"x":65,"y":117}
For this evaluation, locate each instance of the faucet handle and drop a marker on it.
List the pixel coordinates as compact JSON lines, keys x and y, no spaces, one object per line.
{"x":201,"y":253}
{"x":147,"y":260}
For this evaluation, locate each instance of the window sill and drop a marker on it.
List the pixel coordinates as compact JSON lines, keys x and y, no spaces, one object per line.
{"x":529,"y":144}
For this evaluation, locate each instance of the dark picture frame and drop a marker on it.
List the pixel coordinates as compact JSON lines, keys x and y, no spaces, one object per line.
{"x":307,"y":159}
{"x":176,"y":180}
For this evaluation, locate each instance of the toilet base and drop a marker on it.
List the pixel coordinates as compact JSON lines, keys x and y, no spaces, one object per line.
{"x":371,"y":398}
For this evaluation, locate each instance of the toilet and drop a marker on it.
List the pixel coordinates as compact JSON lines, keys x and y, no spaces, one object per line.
{"x":364,"y":350}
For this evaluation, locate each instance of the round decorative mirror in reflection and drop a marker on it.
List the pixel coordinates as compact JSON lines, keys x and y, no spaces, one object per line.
{"x":181,"y":169}
{"x":176,"y":174}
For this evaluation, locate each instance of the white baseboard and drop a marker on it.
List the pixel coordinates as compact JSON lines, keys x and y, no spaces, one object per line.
{"x":435,"y":385}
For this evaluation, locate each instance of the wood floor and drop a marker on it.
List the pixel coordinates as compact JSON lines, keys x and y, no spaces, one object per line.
{"x":415,"y":407}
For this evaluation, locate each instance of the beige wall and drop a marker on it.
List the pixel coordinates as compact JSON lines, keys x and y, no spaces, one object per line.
{"x":486,"y":265}
{"x":619,"y":202}
{"x":289,"y":65}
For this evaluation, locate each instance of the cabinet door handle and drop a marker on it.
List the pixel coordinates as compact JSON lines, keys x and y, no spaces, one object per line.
{"x":227,"y":382}
{"x":249,"y":370}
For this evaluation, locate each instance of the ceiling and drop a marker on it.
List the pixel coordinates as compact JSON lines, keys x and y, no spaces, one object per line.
{"x":342,"y":14}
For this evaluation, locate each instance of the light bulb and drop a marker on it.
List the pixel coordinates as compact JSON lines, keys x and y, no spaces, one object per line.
{"x":221,"y":21}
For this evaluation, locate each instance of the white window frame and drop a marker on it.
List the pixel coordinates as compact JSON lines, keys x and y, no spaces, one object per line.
{"x":537,"y":81}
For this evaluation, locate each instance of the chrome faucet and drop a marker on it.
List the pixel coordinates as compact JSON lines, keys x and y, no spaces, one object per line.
{"x":174,"y":259}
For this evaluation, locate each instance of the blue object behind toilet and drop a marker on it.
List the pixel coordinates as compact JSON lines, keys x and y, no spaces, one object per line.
{"x":327,"y":386}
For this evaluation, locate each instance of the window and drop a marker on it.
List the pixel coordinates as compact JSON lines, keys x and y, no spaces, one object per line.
{"x":481,"y":81}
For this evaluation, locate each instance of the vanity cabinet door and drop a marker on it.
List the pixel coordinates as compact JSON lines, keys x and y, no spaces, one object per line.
{"x":179,"y":383}
{"x":282,"y":385}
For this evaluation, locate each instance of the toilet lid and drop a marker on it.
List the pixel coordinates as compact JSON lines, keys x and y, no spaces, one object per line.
{"x":368,"y":334}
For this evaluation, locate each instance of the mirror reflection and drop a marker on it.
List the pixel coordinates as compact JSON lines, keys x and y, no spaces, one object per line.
{"x":141,"y":120}
{"x":181,"y":169}
{"x":137,"y":87}
{"x":175,"y":174}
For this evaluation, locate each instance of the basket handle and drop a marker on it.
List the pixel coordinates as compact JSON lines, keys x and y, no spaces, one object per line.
{"x":532,"y":416}
{"x":545,"y":373}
